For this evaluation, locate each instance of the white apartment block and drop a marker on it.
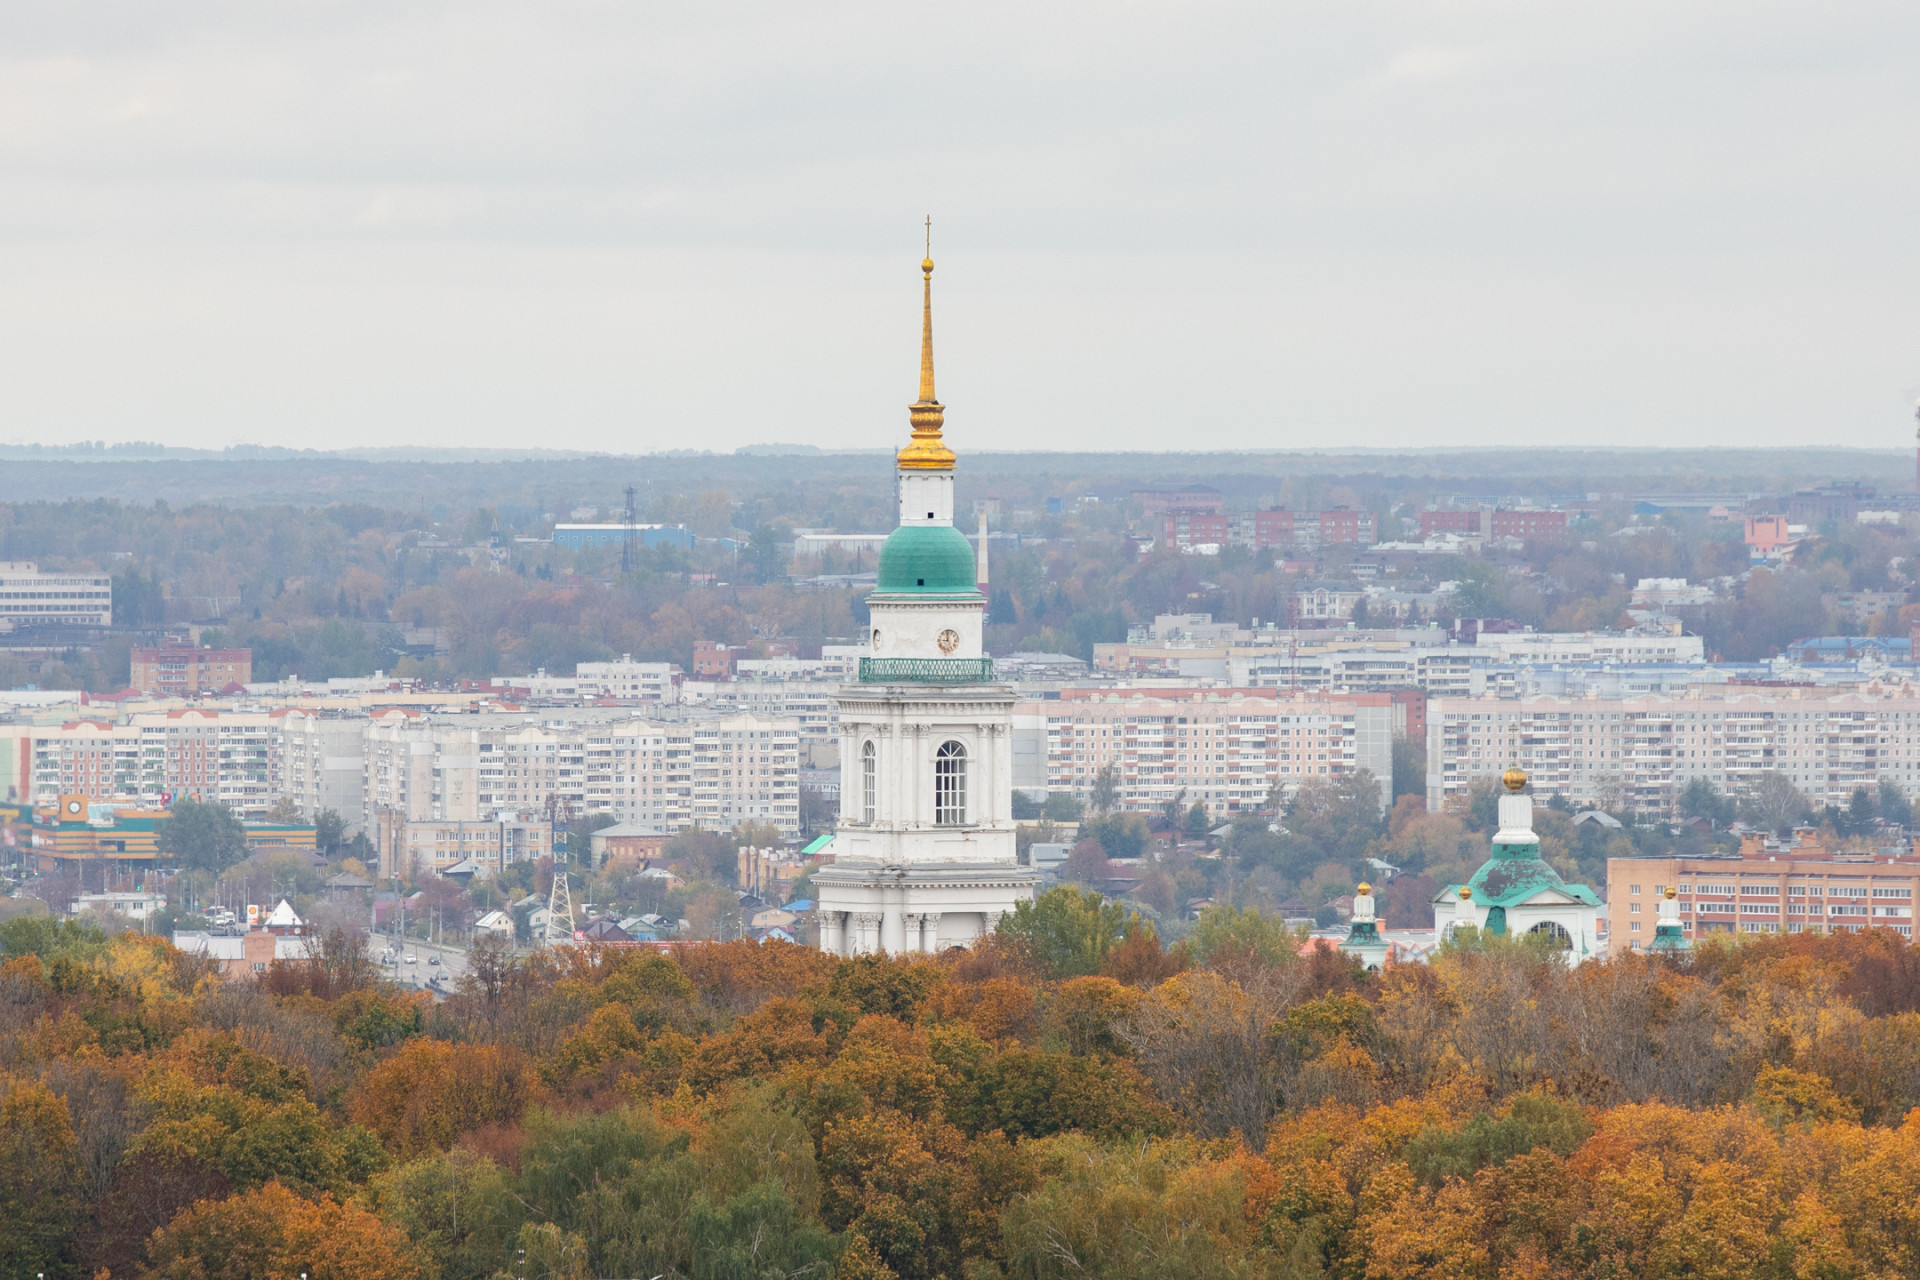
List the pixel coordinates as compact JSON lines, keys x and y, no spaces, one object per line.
{"x":640,"y":771}
{"x":322,"y":764}
{"x":703,"y":770}
{"x":837,"y":663}
{"x":810,"y":704}
{"x":1640,"y":753}
{"x":30,"y":598}
{"x":746,"y":768}
{"x":1227,"y":749}
{"x":627,"y":680}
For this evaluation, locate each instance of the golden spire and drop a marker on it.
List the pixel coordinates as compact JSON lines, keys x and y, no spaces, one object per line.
{"x":927,"y":452}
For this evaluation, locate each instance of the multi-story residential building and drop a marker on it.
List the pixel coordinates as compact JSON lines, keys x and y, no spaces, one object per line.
{"x":1184,"y":529}
{"x":808,"y":703}
{"x":1791,"y":890}
{"x":413,"y":847}
{"x":627,"y":680}
{"x":1225,"y":748}
{"x":1425,"y":658}
{"x":30,"y":598}
{"x":181,"y":671}
{"x":1322,"y":602}
{"x":91,"y":758}
{"x":1192,"y":497}
{"x":837,"y":663}
{"x":322,"y":764}
{"x":641,"y":771}
{"x":212,"y":756}
{"x":1640,"y":753}
{"x":224,"y":757}
{"x":746,"y":768}
{"x":1496,"y":522}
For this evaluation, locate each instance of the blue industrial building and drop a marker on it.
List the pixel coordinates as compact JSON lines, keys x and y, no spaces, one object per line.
{"x":612,"y":535}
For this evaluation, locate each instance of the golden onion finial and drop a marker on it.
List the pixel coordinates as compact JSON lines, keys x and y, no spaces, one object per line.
{"x":1364,"y":888}
{"x":1466,"y":893}
{"x":1515,"y":779}
{"x":1670,"y":891}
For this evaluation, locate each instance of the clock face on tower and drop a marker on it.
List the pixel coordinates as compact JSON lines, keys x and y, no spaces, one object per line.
{"x":949,"y":640}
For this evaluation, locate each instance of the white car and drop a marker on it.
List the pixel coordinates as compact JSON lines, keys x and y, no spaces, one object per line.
{"x":411,"y":960}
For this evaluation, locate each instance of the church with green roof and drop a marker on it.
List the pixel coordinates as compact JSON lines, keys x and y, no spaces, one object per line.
{"x":1515,"y":892}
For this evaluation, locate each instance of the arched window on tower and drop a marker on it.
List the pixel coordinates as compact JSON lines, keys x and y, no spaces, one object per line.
{"x":869,"y":780}
{"x":950,"y":785}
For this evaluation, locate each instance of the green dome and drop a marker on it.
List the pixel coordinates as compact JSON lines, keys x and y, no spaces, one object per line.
{"x":926,"y":559}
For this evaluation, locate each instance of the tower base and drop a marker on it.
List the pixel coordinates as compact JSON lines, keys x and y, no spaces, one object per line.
{"x":899,"y":910}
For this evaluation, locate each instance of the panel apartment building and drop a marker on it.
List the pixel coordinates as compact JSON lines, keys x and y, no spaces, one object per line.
{"x":702,"y":768}
{"x":30,"y":598}
{"x":1788,"y":890}
{"x":212,"y":756}
{"x":1224,"y":748}
{"x":1640,"y":753}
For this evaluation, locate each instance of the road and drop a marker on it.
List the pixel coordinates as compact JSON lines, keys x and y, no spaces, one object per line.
{"x":453,"y":962}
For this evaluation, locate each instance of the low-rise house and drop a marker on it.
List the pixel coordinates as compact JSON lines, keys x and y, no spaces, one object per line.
{"x":139,"y":904}
{"x":247,"y":955}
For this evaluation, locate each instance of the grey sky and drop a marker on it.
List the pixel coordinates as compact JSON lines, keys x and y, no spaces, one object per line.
{"x":1272,"y":225}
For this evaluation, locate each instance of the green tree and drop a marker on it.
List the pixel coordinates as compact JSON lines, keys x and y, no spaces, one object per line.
{"x":1409,"y":768}
{"x":1061,"y":806}
{"x":1198,"y":823}
{"x":329,"y":832}
{"x":1340,"y":814}
{"x":767,"y":547}
{"x":203,"y":837}
{"x":1106,"y":790}
{"x":1223,"y":929}
{"x":1894,"y":805}
{"x":1122,"y":835}
{"x":1701,"y":799}
{"x":1069,"y":930}
{"x":40,"y":1180}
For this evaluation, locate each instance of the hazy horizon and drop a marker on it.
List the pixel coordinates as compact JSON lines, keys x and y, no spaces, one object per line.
{"x":1231,"y":226}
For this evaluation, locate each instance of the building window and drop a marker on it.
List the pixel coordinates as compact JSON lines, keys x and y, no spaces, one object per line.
{"x":869,"y":780}
{"x":950,"y":785}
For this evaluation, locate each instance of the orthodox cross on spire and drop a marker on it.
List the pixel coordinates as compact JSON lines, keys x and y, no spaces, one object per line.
{"x":927,"y":452}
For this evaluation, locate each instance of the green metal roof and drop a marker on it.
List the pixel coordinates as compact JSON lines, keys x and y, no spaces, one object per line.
{"x":1515,"y":873}
{"x":817,"y":844}
{"x":927,"y":559}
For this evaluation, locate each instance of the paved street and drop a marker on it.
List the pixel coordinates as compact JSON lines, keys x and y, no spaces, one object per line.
{"x":453,"y":962}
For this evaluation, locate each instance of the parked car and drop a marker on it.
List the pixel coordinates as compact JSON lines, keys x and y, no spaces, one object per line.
{"x":433,"y":959}
{"x":411,"y":960}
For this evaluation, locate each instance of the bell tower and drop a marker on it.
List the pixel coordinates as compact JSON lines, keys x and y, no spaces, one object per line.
{"x":924,"y":853}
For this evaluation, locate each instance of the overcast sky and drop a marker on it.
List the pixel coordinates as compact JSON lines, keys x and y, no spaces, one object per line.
{"x":637,"y":226}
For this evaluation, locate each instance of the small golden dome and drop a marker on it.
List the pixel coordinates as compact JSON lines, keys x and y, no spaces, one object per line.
{"x":1466,"y":893}
{"x":926,"y":265}
{"x":1515,"y":779}
{"x":1670,"y":891}
{"x":1364,"y":888}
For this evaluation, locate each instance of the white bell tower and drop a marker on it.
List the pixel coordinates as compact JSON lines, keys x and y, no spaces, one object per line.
{"x":924,"y":852}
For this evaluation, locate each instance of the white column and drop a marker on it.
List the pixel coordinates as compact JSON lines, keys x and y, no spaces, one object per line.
{"x":866,"y":933}
{"x":833,"y":932}
{"x":893,"y":930}
{"x":914,"y":943}
{"x":930,"y":932}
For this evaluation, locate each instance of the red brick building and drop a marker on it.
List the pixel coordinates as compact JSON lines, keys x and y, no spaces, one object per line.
{"x":1504,"y":523}
{"x":183,"y":671}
